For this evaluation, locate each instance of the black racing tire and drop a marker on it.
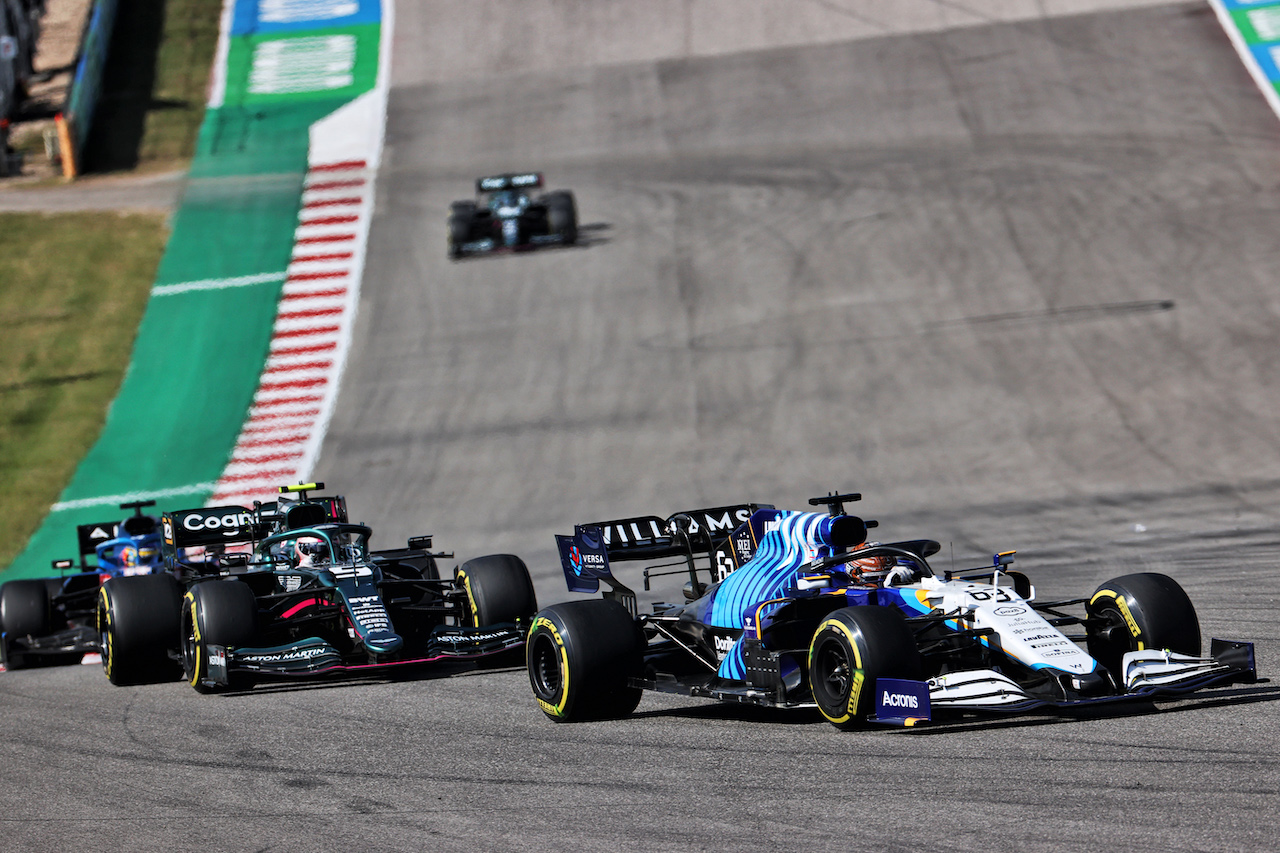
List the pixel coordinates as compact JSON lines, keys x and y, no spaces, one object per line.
{"x":24,"y":608}
{"x":138,"y":627}
{"x":498,"y":589}
{"x":580,"y":655}
{"x":462,"y":215}
{"x":562,"y":216}
{"x":1140,"y":611}
{"x":851,"y":648}
{"x":217,"y":613}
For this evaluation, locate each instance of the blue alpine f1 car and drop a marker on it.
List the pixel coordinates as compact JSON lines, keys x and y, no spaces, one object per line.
{"x":292,"y":589}
{"x":797,"y":609}
{"x":51,"y":621}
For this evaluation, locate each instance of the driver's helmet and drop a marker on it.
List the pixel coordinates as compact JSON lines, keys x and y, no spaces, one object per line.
{"x":870,"y":570}
{"x":310,"y":552}
{"x":507,"y":202}
{"x":139,"y":555}
{"x":130,"y":554}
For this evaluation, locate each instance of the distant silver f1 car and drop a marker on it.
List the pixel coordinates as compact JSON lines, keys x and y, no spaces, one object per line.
{"x":802,"y":611}
{"x":505,"y":216}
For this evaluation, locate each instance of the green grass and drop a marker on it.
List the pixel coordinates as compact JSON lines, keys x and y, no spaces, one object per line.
{"x":74,"y":286}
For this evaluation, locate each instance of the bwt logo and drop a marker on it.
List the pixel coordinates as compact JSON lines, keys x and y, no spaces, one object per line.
{"x":899,"y":700}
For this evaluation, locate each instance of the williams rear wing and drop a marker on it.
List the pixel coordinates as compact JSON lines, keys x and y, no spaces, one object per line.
{"x":586,"y":555}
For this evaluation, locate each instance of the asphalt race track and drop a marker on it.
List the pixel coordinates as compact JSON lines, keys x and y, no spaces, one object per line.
{"x":1013,"y":281}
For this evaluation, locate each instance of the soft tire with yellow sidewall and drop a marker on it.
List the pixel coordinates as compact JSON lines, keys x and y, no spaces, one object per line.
{"x":851,"y":648}
{"x":580,"y":655}
{"x":138,"y":628}
{"x":1140,"y":611}
{"x":221,"y":613}
{"x":498,"y":589}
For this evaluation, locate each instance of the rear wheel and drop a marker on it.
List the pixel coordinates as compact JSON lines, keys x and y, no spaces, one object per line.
{"x":138,"y":627}
{"x":1140,"y":611}
{"x":853,"y":647}
{"x":580,"y":656}
{"x":216,"y":613}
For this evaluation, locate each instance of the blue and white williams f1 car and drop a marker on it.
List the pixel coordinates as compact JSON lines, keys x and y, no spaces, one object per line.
{"x":801,"y":610}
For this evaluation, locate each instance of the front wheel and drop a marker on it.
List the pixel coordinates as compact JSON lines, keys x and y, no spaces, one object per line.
{"x":562,"y":216}
{"x":1140,"y":611}
{"x":216,"y":613}
{"x":580,"y":656}
{"x":853,"y":647}
{"x":462,"y":215}
{"x":138,"y":627}
{"x":498,"y":589}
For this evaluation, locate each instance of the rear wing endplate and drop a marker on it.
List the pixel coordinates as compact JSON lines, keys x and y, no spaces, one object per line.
{"x":90,"y":536}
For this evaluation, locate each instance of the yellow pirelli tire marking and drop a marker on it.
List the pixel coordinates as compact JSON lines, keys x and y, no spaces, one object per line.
{"x":857,"y":676}
{"x":1123,"y":607}
{"x":104,"y":630}
{"x":471,"y":599}
{"x":558,"y":709}
{"x":189,"y":602}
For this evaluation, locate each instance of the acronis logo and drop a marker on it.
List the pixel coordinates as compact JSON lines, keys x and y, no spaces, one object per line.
{"x":899,"y":700}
